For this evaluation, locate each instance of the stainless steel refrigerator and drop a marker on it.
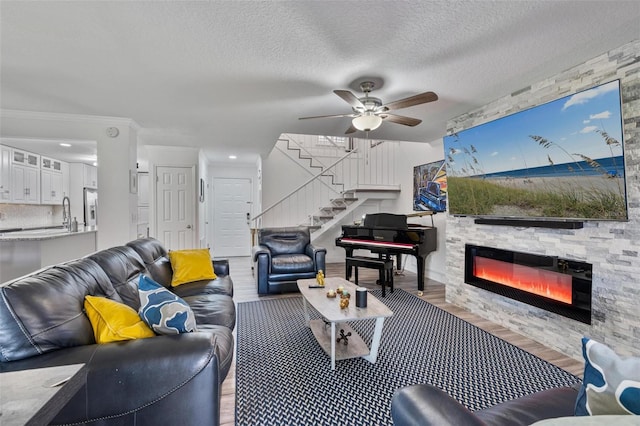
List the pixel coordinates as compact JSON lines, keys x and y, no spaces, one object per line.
{"x":90,"y":207}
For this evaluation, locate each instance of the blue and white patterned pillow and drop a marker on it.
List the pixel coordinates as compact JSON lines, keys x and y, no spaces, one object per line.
{"x":611,"y":385}
{"x":162,"y":310}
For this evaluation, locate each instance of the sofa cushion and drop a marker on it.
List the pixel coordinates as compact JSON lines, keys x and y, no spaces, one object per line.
{"x":224,"y":346}
{"x":191,"y":265}
{"x":29,"y":326}
{"x":611,"y":384}
{"x":213,"y":309}
{"x":114,"y":321}
{"x":123,"y":266}
{"x":291,"y":264}
{"x":162,"y":310}
{"x":221,"y":285}
{"x":155,"y":259}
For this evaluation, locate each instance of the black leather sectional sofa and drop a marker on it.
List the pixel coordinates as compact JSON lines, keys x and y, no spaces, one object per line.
{"x":159,"y":380}
{"x":426,"y":405}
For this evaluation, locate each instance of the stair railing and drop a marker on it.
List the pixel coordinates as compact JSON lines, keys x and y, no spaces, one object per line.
{"x":367,"y":164}
{"x":256,"y":220}
{"x":322,"y":166}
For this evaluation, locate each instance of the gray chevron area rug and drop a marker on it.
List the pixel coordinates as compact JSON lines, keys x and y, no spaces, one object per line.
{"x":283,"y":377}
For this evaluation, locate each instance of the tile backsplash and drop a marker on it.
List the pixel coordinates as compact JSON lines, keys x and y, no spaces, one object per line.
{"x":29,"y":216}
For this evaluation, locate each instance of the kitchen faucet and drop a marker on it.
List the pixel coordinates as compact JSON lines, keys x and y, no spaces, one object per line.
{"x":66,"y":213}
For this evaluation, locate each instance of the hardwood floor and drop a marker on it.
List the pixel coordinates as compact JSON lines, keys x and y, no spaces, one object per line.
{"x":245,"y":290}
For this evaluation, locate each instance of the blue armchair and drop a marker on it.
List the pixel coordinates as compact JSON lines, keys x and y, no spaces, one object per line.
{"x":283,"y":256}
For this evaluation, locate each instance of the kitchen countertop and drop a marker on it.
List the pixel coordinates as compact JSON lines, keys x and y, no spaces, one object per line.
{"x":46,"y":233}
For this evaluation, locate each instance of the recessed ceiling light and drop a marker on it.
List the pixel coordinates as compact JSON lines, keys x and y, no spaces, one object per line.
{"x":232,"y":157}
{"x":66,"y":145}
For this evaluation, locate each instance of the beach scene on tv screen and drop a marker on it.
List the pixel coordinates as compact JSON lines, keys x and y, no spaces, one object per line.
{"x":562,"y":160}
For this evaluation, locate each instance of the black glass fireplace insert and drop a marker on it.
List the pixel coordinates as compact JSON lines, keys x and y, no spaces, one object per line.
{"x":561,"y":286}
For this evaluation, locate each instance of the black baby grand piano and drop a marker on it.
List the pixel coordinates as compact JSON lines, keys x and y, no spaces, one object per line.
{"x":390,"y":234}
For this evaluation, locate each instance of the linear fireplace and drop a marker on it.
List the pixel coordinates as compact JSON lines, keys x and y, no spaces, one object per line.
{"x":558,"y":285}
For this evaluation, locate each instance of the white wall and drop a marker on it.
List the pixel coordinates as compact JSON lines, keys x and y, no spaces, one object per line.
{"x":117,"y":212}
{"x":409,"y":155}
{"x":280,"y":176}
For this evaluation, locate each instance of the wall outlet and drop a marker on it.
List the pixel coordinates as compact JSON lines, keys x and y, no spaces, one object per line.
{"x":3,"y":216}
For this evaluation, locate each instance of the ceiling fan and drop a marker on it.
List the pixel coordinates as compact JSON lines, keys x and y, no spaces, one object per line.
{"x":369,"y":112}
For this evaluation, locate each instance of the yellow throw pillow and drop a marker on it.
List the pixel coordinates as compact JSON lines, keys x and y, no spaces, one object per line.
{"x":113,"y":321}
{"x":191,"y":265}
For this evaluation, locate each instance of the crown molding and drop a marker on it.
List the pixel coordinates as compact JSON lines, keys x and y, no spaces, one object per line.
{"x":57,"y":116}
{"x":9,"y":139}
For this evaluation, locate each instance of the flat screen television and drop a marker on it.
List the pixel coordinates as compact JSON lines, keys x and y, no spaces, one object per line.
{"x":563,"y":160}
{"x":430,"y":187}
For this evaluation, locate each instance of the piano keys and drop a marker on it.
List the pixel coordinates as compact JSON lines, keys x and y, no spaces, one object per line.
{"x":389,"y":234}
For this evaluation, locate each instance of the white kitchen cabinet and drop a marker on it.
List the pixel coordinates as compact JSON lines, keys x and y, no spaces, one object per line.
{"x":51,"y":181}
{"x":84,"y":175}
{"x":90,"y":176}
{"x":25,"y":184}
{"x":25,"y":158}
{"x":51,"y":190}
{"x":52,"y":164}
{"x":25,"y":177}
{"x":28,"y":178}
{"x":5,"y":174}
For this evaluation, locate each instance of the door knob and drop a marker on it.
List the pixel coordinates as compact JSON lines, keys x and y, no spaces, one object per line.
{"x":188,"y":226}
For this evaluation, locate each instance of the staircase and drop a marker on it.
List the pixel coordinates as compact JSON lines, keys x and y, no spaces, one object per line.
{"x":305,"y":159}
{"x":357,"y":165}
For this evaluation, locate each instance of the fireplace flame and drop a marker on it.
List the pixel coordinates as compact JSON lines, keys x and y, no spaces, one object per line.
{"x":550,"y":284}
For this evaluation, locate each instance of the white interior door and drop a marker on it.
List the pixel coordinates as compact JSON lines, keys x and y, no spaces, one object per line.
{"x":232,"y":204}
{"x":175,"y":210}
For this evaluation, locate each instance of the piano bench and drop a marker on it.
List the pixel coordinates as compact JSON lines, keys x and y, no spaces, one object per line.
{"x":384,"y":267}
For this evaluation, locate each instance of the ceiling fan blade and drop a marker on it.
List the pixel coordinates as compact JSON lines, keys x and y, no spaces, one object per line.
{"x":422,"y":98}
{"x":351,"y":129}
{"x":350,"y":98}
{"x":328,"y":116}
{"x":400,"y":119}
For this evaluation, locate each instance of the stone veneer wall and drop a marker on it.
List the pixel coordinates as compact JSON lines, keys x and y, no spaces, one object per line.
{"x":612,"y":247}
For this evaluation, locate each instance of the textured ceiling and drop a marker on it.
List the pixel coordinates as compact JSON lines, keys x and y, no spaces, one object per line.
{"x":232,"y":76}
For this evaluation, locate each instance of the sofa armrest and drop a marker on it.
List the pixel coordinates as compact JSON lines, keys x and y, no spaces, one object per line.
{"x":261,"y":256}
{"x":425,"y":405}
{"x":221,"y":266}
{"x":150,"y":380}
{"x":260,"y":250}
{"x":318,"y":255}
{"x":528,"y":409}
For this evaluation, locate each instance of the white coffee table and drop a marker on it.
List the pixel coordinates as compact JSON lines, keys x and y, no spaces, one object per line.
{"x":336,"y":318}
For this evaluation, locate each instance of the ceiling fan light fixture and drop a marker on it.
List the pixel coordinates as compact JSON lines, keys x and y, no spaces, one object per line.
{"x":367,"y":122}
